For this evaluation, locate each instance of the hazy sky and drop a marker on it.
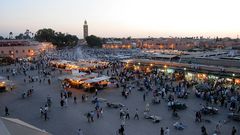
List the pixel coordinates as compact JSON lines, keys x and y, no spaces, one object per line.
{"x":122,"y":18}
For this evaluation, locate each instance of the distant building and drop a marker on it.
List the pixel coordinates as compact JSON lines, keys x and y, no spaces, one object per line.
{"x":23,"y":48}
{"x":111,"y":44}
{"x":85,"y":29}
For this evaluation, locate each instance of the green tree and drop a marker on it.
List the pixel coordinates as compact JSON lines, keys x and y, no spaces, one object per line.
{"x":94,"y":41}
{"x":20,"y":36}
{"x":45,"y":35}
{"x":71,"y":40}
{"x":1,"y":38}
{"x":57,"y":38}
{"x":27,"y":34}
{"x":129,"y":38}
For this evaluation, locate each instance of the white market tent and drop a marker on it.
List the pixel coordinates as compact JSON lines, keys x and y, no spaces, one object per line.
{"x":83,"y":76}
{"x":77,"y":73}
{"x":11,"y":126}
{"x":91,"y":75}
{"x":98,"y":79}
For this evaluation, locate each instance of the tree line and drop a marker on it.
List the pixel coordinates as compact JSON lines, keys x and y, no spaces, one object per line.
{"x":46,"y":35}
{"x":57,"y":38}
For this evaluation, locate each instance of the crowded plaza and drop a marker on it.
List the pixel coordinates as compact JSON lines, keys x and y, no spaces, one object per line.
{"x":84,"y":91}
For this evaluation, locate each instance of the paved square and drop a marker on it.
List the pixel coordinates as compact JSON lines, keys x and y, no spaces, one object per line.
{"x":67,"y":120}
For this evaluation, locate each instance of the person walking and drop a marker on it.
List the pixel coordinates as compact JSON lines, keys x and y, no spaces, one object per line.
{"x":79,"y":132}
{"x":234,"y":131}
{"x":46,"y":108}
{"x":167,"y":131}
{"x":101,"y":112}
{"x":144,"y":97}
{"x":121,"y":113}
{"x":123,"y":120}
{"x":66,"y":102}
{"x":45,"y":115}
{"x":6,"y":111}
{"x":75,"y":99}
{"x":96,"y":92}
{"x":49,"y":82}
{"x":121,"y":130}
{"x":136,"y":115}
{"x":91,"y":116}
{"x":127,"y":114}
{"x":162,"y":131}
{"x":41,"y":112}
{"x":218,"y":126}
{"x":98,"y":113}
{"x":83,"y":98}
{"x":203,"y":130}
{"x":62,"y":103}
{"x":147,"y":109}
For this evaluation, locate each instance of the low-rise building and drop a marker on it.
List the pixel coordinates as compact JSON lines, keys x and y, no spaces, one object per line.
{"x":118,"y":45}
{"x":23,"y":48}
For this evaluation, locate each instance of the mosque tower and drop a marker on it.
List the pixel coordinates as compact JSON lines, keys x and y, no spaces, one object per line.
{"x":85,"y":29}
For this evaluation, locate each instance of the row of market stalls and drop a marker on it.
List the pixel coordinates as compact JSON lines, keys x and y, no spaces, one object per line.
{"x":179,"y":71}
{"x":86,"y":81}
{"x":83,"y":65}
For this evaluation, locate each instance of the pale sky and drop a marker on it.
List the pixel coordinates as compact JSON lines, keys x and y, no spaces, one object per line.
{"x":123,"y":18}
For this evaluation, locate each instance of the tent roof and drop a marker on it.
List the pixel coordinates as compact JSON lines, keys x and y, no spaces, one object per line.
{"x":169,"y":56}
{"x":77,"y":73}
{"x":74,"y":77}
{"x":98,"y":79}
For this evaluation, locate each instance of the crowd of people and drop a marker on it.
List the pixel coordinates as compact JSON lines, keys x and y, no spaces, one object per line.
{"x":155,"y":85}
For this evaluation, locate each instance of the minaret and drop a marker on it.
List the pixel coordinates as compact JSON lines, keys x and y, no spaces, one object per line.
{"x":85,"y":29}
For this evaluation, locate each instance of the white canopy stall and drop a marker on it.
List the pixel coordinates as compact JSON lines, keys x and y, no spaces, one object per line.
{"x":96,"y":83}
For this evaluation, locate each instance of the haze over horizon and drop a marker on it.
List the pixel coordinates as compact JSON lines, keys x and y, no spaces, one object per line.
{"x":115,"y":18}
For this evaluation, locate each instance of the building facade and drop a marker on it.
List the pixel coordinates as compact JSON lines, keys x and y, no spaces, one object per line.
{"x":85,"y":29}
{"x":123,"y":44}
{"x":23,"y":48}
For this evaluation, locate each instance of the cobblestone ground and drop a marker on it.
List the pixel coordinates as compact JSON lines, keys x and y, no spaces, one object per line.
{"x":66,"y":121}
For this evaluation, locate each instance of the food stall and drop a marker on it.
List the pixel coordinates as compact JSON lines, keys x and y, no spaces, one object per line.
{"x":2,"y":86}
{"x":237,"y":81}
{"x":83,"y":65}
{"x":5,"y":84}
{"x":96,"y":83}
{"x":76,"y":80}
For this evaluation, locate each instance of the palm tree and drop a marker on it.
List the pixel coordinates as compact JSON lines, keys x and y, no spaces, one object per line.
{"x":10,"y":35}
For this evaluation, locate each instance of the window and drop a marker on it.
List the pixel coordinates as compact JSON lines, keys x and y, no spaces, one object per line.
{"x":23,"y":51}
{"x":29,"y":51}
{"x":2,"y":52}
{"x":16,"y":51}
